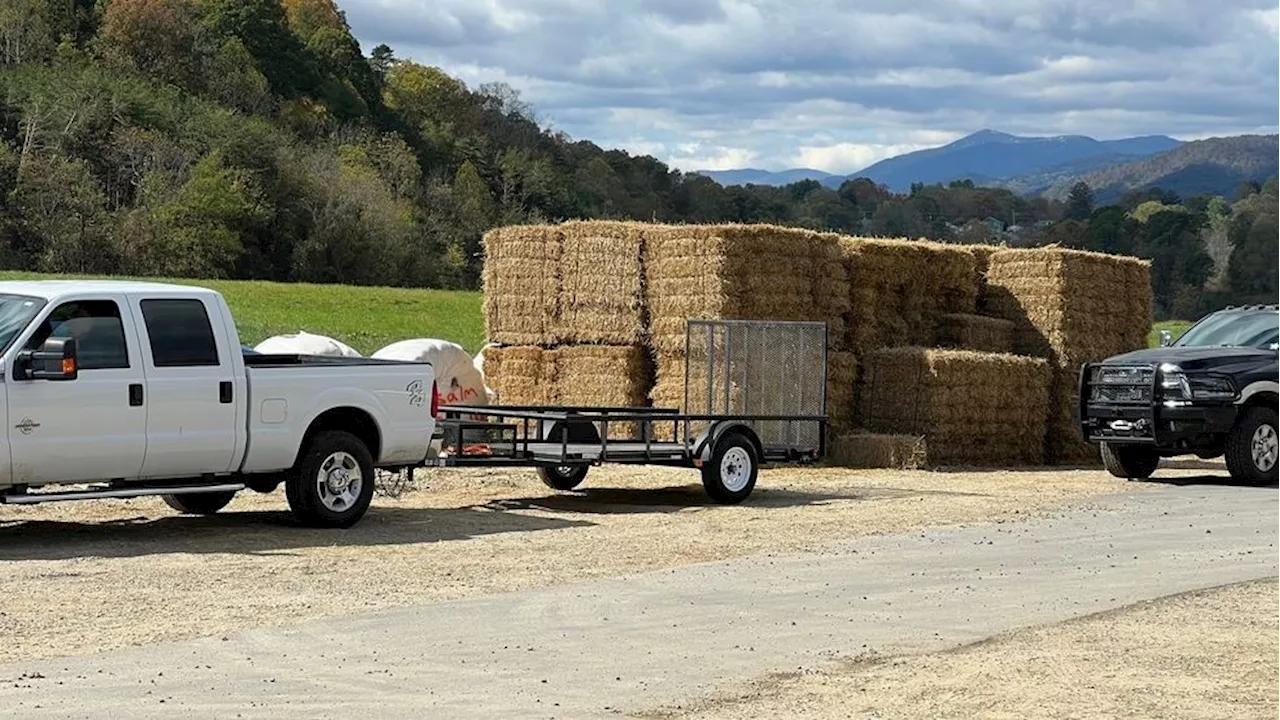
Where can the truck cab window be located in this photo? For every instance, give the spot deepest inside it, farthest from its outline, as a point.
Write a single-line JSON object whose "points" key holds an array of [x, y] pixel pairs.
{"points": [[97, 329], [180, 332]]}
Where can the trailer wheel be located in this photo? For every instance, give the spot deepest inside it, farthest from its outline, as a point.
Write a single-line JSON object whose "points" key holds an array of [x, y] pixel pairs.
{"points": [[1252, 447], [730, 476], [1131, 462], [563, 477], [199, 503], [333, 484]]}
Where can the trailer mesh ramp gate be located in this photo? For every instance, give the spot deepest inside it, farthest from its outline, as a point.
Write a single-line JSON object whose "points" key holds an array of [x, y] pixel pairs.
{"points": [[758, 368]]}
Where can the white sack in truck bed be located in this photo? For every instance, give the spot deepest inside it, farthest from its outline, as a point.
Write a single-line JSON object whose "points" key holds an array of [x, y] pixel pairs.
{"points": [[302, 343], [459, 381]]}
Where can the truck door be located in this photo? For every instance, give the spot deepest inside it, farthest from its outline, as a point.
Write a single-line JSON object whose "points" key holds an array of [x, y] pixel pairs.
{"points": [[90, 428], [191, 408]]}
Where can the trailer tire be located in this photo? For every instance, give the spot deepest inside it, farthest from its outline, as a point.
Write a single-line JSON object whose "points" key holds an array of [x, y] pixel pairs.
{"points": [[333, 483], [563, 477], [1130, 462], [1252, 446], [730, 476], [199, 503]]}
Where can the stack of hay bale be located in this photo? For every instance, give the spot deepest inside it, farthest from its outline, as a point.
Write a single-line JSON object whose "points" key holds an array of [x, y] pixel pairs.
{"points": [[936, 353], [566, 305], [1070, 307]]}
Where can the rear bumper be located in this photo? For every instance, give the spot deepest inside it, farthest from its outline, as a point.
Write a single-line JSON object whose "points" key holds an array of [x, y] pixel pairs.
{"points": [[1166, 427]]}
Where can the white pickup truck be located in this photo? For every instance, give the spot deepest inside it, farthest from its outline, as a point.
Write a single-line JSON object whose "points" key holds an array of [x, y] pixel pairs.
{"points": [[130, 389]]}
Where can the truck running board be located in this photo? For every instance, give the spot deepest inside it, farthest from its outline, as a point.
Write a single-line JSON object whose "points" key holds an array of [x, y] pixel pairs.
{"points": [[117, 492]]}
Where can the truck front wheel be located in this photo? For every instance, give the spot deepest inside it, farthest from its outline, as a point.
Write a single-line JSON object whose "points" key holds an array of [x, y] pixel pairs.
{"points": [[1252, 447], [1131, 462], [199, 503], [333, 484]]}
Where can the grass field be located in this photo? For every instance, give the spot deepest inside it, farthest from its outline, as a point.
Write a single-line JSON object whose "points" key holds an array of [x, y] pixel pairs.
{"points": [[1177, 327], [365, 318]]}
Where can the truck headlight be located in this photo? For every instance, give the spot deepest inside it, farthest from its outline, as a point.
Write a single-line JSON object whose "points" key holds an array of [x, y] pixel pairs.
{"points": [[1211, 387], [1174, 384]]}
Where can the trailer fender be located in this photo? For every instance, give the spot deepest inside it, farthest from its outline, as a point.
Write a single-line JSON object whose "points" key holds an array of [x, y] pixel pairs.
{"points": [[707, 440]]}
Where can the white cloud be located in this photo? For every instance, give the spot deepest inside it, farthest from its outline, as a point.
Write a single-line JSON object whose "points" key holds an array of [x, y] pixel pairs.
{"points": [[847, 157], [774, 83]]}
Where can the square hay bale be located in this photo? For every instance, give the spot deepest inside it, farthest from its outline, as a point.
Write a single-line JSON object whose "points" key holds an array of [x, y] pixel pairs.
{"points": [[602, 284], [582, 375], [842, 380], [1071, 307], [518, 375], [744, 272], [984, 409], [975, 332], [871, 450], [899, 288], [521, 280]]}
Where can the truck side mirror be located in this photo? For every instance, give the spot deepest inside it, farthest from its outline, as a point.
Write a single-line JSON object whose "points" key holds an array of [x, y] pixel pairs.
{"points": [[1166, 338], [55, 360]]}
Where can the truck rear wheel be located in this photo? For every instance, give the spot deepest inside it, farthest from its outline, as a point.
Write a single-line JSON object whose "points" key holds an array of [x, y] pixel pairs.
{"points": [[1252, 447], [333, 484], [1131, 462], [730, 476], [563, 477], [199, 503]]}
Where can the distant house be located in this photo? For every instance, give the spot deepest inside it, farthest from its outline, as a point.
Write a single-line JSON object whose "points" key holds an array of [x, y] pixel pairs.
{"points": [[993, 225]]}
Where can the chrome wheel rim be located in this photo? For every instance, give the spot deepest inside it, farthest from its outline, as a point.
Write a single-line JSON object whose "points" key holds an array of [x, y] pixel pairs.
{"points": [[735, 469], [339, 481], [1265, 447]]}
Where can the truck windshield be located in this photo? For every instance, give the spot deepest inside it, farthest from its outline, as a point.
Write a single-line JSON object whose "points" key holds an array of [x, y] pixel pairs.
{"points": [[1234, 329], [16, 312]]}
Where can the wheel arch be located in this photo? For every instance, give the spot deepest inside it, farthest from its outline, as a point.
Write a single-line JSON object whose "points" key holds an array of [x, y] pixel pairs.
{"points": [[349, 419], [1263, 393], [711, 437]]}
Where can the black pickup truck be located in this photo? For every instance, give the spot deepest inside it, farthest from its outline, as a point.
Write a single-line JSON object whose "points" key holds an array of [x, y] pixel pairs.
{"points": [[1212, 393]]}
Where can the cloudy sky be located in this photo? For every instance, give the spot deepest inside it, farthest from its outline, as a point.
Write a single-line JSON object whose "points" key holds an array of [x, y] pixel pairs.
{"points": [[839, 84]]}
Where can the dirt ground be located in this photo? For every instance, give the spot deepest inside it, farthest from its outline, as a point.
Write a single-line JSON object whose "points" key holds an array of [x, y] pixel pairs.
{"points": [[1209, 655], [91, 576]]}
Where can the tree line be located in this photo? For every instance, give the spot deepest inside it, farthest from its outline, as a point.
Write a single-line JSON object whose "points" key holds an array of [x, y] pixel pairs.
{"points": [[255, 139], [1206, 251]]}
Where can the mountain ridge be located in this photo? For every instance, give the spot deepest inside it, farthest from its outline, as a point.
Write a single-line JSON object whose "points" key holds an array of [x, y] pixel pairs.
{"points": [[989, 155]]}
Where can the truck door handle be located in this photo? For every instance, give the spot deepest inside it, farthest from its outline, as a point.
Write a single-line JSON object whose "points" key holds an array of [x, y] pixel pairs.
{"points": [[224, 392], [135, 394]]}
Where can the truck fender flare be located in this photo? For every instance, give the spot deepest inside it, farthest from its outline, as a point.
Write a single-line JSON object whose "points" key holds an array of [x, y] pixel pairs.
{"points": [[1257, 388]]}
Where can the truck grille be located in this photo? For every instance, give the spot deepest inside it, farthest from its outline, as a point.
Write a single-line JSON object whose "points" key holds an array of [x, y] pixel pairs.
{"points": [[1122, 385]]}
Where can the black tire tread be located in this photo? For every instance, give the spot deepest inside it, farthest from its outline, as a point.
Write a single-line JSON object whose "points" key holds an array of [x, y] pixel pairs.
{"points": [[305, 503], [1130, 462], [199, 503], [556, 480], [1239, 454], [711, 481]]}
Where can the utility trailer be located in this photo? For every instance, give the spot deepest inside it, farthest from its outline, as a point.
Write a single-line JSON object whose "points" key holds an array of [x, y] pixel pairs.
{"points": [[754, 393]]}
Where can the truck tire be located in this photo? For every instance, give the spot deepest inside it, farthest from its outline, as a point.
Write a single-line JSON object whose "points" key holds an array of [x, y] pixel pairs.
{"points": [[333, 484], [563, 477], [1131, 462], [1252, 447], [730, 476], [199, 503]]}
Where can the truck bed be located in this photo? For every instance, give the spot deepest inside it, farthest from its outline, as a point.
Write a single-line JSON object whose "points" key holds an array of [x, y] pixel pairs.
{"points": [[293, 360]]}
